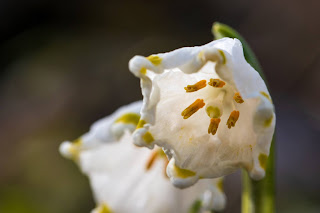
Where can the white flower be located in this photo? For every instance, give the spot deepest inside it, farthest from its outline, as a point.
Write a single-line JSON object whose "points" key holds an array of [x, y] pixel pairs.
{"points": [[125, 178], [207, 108]]}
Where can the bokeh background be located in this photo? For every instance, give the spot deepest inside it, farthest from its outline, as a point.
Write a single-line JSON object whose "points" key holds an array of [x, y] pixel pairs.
{"points": [[64, 64]]}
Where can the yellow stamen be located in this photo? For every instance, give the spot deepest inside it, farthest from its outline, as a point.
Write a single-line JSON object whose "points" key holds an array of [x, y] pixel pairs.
{"points": [[233, 118], [213, 127], [151, 159], [237, 97], [193, 108], [196, 87], [216, 83], [156, 60]]}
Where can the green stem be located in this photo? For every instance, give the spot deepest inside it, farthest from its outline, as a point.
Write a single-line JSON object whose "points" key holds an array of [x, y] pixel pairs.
{"points": [[257, 196]]}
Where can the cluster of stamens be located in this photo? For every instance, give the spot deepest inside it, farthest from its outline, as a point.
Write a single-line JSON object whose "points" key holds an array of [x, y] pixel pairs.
{"points": [[213, 112]]}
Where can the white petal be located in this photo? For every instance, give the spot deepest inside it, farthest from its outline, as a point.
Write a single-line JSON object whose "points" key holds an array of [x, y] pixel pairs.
{"points": [[120, 180], [64, 149], [106, 130]]}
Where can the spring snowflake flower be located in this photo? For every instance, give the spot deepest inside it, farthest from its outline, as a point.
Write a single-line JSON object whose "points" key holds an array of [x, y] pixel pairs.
{"points": [[125, 178], [207, 108]]}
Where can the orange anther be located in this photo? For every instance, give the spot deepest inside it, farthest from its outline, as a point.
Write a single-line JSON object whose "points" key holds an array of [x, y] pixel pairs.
{"points": [[216, 83], [233, 118], [196, 86], [193, 108]]}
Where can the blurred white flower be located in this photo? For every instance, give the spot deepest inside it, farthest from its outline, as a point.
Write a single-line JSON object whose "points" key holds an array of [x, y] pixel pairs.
{"points": [[108, 129], [125, 178], [207, 108]]}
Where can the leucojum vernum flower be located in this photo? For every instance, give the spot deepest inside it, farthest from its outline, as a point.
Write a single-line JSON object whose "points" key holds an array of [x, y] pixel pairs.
{"points": [[207, 108], [205, 113], [125, 178]]}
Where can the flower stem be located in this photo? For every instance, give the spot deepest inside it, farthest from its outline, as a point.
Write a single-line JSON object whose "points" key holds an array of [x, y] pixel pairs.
{"points": [[257, 196]]}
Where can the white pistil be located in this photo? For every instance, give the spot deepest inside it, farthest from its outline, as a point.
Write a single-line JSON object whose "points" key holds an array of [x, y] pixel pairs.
{"points": [[214, 111]]}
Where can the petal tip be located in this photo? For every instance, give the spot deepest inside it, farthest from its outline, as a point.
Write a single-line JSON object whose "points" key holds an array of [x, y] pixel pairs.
{"points": [[64, 149]]}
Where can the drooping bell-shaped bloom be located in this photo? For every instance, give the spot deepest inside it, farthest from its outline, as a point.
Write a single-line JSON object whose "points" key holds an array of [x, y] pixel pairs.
{"points": [[125, 178], [207, 108]]}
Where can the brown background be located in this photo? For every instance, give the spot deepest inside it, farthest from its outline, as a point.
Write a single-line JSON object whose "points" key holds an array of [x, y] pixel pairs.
{"points": [[64, 65]]}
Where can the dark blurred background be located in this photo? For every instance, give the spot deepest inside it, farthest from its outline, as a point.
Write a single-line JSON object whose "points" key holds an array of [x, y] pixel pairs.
{"points": [[64, 64]]}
